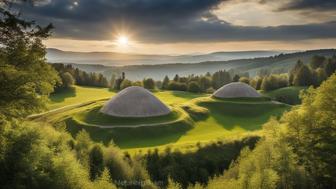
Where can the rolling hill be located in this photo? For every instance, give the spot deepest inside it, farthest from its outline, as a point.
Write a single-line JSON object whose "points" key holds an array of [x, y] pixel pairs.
{"points": [[280, 63], [123, 59]]}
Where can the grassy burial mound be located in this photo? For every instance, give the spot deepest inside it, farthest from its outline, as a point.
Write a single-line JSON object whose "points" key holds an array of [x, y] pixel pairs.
{"points": [[236, 90], [135, 102], [289, 95], [131, 132], [133, 118]]}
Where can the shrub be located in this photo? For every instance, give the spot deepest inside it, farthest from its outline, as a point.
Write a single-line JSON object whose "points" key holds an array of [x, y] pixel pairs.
{"points": [[148, 83], [177, 86], [194, 87], [125, 83]]}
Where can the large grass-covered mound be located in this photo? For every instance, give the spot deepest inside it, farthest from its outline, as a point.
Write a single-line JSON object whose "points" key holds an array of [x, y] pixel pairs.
{"points": [[236, 90], [95, 118], [135, 102], [131, 132]]}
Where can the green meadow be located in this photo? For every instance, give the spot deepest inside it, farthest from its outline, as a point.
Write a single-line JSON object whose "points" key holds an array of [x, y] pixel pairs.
{"points": [[196, 118]]}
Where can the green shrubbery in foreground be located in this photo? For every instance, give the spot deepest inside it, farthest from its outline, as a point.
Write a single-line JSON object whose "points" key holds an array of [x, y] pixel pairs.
{"points": [[296, 152]]}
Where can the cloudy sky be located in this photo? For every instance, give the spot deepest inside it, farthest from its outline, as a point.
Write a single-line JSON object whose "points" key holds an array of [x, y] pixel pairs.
{"points": [[187, 26]]}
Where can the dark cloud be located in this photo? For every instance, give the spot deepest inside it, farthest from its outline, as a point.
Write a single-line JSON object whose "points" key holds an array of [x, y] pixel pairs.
{"points": [[326, 5], [161, 21]]}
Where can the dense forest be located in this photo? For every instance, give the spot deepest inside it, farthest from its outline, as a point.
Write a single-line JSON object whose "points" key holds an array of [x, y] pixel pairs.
{"points": [[296, 151]]}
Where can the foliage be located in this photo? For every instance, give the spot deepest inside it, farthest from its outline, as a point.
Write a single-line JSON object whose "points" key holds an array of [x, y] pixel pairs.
{"points": [[220, 78], [165, 82], [39, 157], [273, 82], [81, 77], [177, 86], [311, 132], [25, 77], [303, 77], [148, 83], [194, 87], [125, 83], [96, 162], [272, 164], [192, 167], [244, 80], [289, 95]]}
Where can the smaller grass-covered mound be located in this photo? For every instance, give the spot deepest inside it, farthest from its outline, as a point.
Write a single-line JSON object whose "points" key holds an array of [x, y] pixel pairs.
{"points": [[246, 113], [236, 90], [288, 95]]}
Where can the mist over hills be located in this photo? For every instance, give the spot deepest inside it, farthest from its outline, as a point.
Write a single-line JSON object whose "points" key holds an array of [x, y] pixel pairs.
{"points": [[277, 64], [122, 59]]}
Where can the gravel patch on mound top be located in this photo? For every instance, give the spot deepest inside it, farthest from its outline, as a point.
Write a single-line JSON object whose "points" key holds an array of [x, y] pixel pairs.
{"points": [[236, 90], [135, 102]]}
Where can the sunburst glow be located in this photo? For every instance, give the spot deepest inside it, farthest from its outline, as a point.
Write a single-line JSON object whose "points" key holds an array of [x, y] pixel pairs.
{"points": [[122, 40]]}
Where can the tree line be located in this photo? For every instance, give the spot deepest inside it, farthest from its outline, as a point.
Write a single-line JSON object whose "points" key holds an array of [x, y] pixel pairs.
{"points": [[70, 76], [314, 73]]}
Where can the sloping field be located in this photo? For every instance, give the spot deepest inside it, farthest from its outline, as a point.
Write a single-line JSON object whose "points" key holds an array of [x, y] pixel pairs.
{"points": [[204, 119]]}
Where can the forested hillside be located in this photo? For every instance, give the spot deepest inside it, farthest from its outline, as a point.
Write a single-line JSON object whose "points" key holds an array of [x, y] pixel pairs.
{"points": [[276, 64]]}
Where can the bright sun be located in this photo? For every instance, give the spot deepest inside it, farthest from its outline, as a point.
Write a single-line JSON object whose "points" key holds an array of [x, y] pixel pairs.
{"points": [[122, 40]]}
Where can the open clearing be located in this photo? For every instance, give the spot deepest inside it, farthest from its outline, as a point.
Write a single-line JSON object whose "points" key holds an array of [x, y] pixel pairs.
{"points": [[222, 119]]}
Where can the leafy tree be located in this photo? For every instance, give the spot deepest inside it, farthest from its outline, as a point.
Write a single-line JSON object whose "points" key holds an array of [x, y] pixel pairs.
{"points": [[244, 80], [272, 164], [148, 83], [112, 81], [220, 78], [317, 62], [83, 147], [236, 78], [330, 67], [165, 82], [205, 83], [176, 78], [67, 80], [125, 83], [320, 76], [26, 79], [194, 87], [177, 86], [256, 82], [293, 72], [311, 133], [117, 84], [303, 77], [96, 162], [137, 83]]}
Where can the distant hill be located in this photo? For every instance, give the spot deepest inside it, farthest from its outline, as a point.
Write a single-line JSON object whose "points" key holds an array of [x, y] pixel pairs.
{"points": [[279, 63], [120, 59]]}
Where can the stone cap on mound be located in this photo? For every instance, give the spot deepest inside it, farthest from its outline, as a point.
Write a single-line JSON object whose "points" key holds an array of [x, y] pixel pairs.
{"points": [[236, 90], [135, 102]]}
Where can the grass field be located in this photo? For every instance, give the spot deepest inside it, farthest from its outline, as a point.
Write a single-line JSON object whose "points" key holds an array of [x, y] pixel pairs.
{"points": [[78, 95], [83, 94], [289, 95], [205, 119]]}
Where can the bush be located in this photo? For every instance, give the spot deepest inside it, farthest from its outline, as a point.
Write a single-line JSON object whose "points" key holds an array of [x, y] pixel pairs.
{"points": [[194, 87], [149, 83], [177, 86], [125, 83], [244, 80]]}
